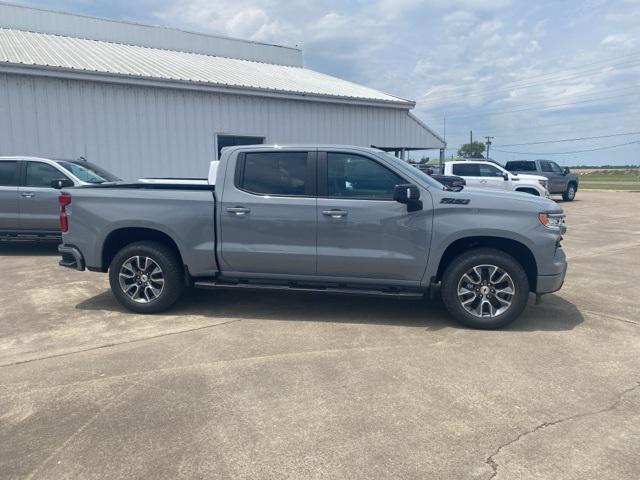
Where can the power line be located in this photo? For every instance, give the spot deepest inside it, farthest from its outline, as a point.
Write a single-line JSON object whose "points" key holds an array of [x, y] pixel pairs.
{"points": [[503, 112], [568, 140], [519, 86], [545, 79], [542, 154], [593, 117]]}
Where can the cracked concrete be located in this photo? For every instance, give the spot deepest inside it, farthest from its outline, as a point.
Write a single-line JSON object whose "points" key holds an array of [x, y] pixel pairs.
{"points": [[261, 386], [491, 459]]}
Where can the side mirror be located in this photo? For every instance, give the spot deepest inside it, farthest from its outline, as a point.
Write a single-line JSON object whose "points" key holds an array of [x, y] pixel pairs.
{"points": [[505, 176], [61, 183], [409, 195], [566, 171]]}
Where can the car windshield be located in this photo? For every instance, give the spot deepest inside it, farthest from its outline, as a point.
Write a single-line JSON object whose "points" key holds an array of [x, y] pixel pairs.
{"points": [[88, 172], [413, 170]]}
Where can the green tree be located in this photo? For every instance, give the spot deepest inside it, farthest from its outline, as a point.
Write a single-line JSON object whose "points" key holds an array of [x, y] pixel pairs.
{"points": [[471, 150]]}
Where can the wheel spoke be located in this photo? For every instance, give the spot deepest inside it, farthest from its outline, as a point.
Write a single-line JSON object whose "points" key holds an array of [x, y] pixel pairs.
{"points": [[141, 279], [486, 291]]}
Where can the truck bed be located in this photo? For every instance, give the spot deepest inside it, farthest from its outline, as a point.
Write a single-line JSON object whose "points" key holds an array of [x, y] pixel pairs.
{"points": [[102, 215]]}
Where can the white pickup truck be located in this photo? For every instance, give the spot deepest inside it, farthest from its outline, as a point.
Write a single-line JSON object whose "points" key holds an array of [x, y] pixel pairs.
{"points": [[485, 174]]}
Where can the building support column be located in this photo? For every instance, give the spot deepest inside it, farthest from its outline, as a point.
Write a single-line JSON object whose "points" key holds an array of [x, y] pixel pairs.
{"points": [[442, 161]]}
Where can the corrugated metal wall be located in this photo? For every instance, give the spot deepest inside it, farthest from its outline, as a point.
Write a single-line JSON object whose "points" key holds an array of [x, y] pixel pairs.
{"points": [[144, 131]]}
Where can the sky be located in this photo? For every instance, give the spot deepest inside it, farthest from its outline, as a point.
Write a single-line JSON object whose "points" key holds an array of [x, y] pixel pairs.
{"points": [[523, 72]]}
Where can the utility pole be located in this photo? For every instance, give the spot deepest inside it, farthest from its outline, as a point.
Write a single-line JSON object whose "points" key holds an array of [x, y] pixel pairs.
{"points": [[470, 136], [444, 126], [488, 146]]}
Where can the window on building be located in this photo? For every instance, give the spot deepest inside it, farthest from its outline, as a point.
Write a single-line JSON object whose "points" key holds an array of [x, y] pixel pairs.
{"points": [[275, 173], [41, 174], [8, 174], [233, 140], [353, 176]]}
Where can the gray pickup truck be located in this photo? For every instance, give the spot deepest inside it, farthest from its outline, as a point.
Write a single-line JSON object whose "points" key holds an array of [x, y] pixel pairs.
{"points": [[336, 219], [29, 189], [561, 180]]}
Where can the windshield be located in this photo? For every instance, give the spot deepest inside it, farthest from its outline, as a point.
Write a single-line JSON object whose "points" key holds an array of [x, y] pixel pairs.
{"points": [[88, 172], [413, 170]]}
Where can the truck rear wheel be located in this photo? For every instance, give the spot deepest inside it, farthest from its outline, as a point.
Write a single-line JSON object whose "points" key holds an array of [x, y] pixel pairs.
{"points": [[485, 288], [146, 277]]}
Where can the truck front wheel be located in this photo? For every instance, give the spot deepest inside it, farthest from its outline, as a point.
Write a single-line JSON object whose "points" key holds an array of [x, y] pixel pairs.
{"points": [[146, 277], [485, 288], [570, 192]]}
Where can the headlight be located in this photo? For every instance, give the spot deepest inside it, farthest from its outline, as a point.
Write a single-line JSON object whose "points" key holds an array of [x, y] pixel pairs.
{"points": [[552, 220], [543, 183]]}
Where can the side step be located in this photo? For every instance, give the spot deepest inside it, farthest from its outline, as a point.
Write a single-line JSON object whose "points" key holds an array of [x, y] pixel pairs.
{"points": [[210, 284]]}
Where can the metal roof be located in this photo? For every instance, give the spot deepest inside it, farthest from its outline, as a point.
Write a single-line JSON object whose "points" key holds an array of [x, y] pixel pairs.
{"points": [[55, 53]]}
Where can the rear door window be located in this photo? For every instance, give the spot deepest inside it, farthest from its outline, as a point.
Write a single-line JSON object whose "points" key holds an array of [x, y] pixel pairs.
{"points": [[466, 169], [41, 174], [276, 173], [8, 174]]}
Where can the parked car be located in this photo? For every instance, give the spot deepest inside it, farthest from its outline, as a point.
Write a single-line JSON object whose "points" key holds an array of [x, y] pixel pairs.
{"points": [[29, 189], [334, 219], [485, 174], [561, 180]]}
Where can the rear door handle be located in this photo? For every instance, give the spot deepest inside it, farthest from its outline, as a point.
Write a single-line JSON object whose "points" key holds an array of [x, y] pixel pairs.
{"points": [[483, 181], [334, 213], [238, 210], [27, 194]]}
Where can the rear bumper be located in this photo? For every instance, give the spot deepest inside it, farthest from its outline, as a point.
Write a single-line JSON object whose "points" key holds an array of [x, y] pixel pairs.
{"points": [[71, 257]]}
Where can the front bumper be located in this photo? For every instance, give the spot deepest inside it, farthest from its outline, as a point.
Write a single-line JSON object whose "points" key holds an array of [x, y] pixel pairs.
{"points": [[71, 257], [551, 283]]}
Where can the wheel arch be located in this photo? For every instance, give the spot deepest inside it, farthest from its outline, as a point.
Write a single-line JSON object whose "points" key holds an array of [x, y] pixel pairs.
{"points": [[121, 237], [516, 249], [529, 190]]}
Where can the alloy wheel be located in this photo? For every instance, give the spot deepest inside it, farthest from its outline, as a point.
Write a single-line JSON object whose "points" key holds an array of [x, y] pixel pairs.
{"points": [[486, 291], [141, 279]]}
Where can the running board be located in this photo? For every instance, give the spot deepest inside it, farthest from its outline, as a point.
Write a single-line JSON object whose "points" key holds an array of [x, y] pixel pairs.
{"points": [[296, 288]]}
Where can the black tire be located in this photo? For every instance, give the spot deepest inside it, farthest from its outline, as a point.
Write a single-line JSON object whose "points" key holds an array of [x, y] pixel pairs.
{"points": [[484, 256], [171, 272], [570, 193]]}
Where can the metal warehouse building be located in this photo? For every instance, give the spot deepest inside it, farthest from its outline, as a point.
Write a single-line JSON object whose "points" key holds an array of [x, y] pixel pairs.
{"points": [[153, 101]]}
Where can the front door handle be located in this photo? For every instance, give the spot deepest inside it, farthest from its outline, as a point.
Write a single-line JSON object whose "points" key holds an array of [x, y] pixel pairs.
{"points": [[334, 213], [483, 181], [27, 194], [238, 210]]}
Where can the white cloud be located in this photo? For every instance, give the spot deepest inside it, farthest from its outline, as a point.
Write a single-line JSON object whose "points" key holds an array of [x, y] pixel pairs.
{"points": [[618, 41]]}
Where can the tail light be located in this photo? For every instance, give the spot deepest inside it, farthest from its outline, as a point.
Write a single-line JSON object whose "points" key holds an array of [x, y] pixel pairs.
{"points": [[64, 199]]}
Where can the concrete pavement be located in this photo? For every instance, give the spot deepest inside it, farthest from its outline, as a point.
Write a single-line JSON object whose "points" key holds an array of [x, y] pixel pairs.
{"points": [[266, 385]]}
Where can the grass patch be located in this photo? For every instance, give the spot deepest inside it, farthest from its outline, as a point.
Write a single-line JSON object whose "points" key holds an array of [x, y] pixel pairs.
{"points": [[609, 186]]}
